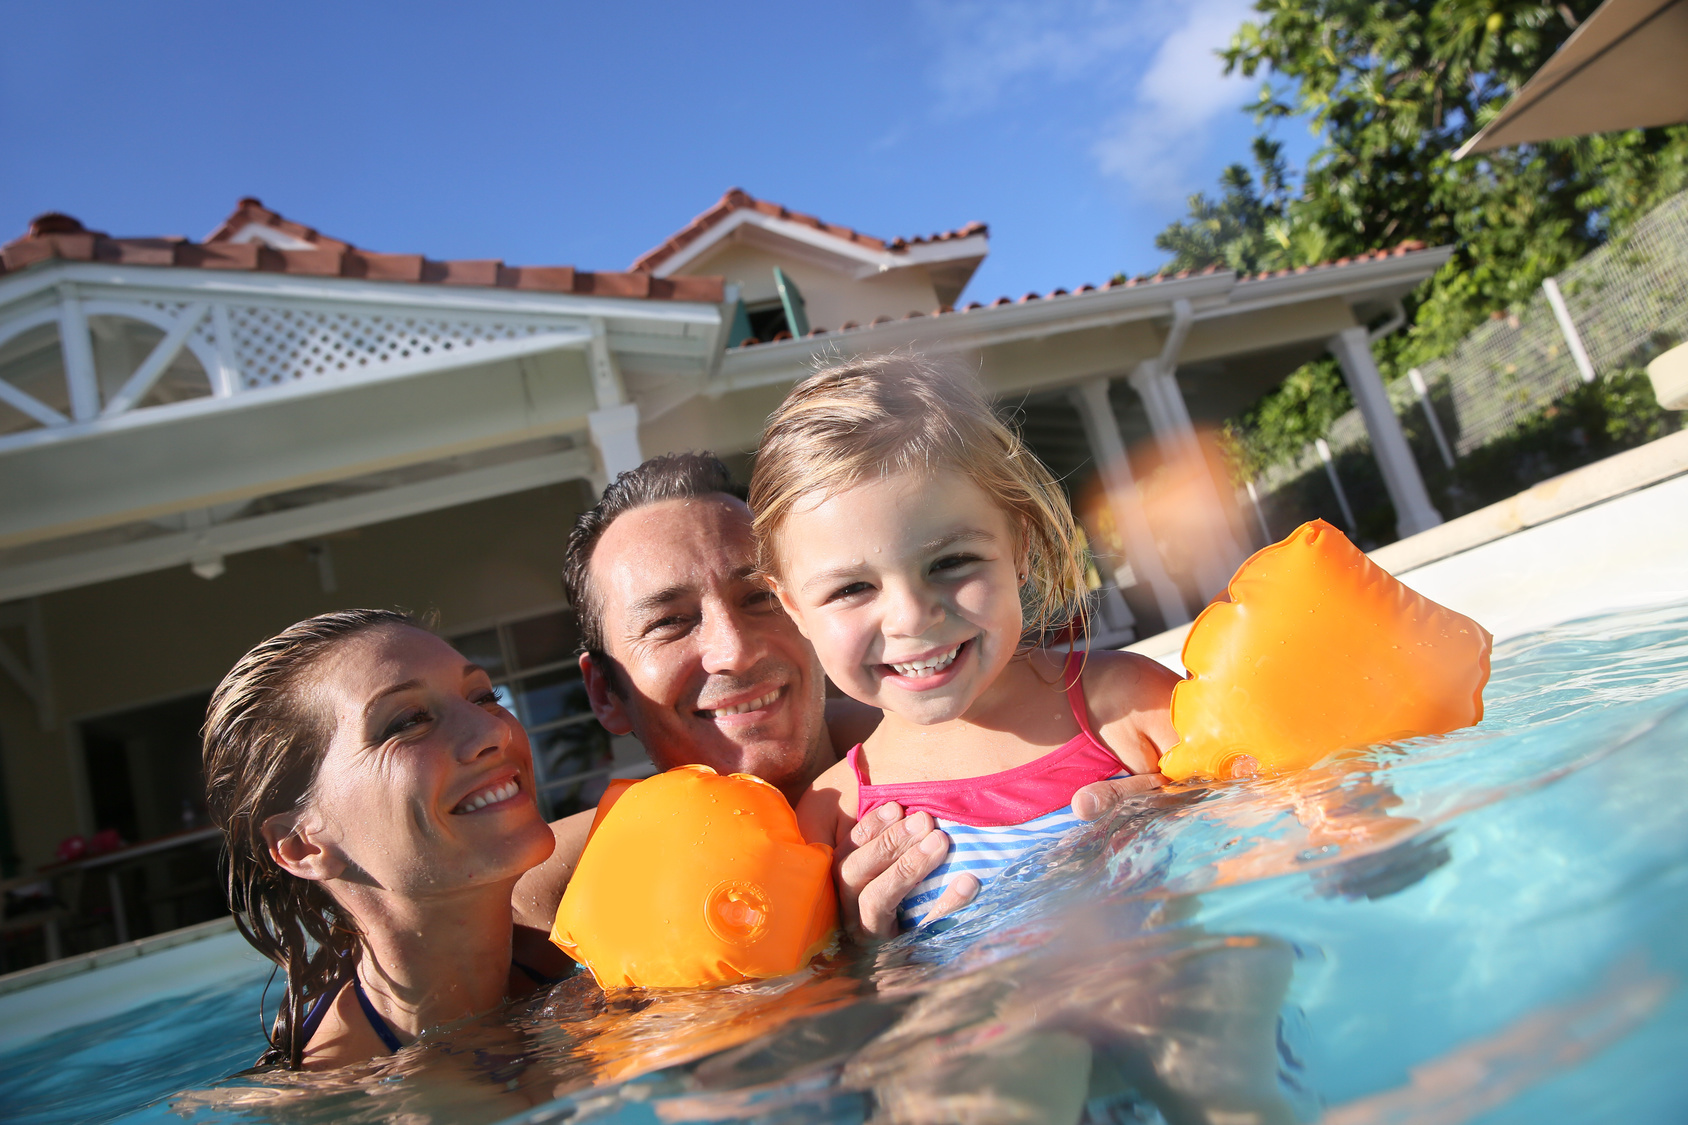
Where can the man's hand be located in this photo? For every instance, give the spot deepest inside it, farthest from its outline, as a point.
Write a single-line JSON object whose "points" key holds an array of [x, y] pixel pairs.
{"points": [[1101, 796], [889, 856]]}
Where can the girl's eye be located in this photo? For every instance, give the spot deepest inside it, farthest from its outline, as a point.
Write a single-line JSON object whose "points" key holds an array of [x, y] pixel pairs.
{"points": [[489, 697], [848, 591], [951, 562], [405, 721]]}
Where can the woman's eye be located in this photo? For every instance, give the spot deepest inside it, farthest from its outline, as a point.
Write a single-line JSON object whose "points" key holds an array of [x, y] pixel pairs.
{"points": [[405, 721]]}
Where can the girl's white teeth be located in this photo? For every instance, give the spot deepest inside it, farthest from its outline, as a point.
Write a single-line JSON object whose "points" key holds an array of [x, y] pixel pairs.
{"points": [[927, 667], [489, 797], [753, 705]]}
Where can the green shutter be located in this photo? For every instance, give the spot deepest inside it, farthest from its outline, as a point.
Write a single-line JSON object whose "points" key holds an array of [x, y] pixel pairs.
{"points": [[796, 314], [740, 331]]}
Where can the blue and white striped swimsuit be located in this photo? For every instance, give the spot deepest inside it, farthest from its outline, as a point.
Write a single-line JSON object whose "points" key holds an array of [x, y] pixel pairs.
{"points": [[984, 853], [995, 820]]}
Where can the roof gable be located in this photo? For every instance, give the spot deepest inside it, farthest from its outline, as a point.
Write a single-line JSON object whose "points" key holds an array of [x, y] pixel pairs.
{"points": [[739, 214]]}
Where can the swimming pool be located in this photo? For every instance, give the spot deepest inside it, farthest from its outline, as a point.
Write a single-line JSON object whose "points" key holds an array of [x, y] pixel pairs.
{"points": [[1485, 926]]}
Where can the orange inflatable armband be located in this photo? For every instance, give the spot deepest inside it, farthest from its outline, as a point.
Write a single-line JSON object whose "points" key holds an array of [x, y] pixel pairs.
{"points": [[1319, 649], [690, 878]]}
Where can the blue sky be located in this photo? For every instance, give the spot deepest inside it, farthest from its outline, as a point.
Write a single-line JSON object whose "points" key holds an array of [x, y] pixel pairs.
{"points": [[585, 134]]}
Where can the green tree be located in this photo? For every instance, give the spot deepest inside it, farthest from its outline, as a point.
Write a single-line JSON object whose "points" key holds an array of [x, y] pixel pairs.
{"points": [[1393, 87], [1245, 229]]}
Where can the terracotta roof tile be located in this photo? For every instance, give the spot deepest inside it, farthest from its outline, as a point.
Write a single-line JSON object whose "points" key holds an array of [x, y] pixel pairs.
{"points": [[967, 231], [737, 199], [1408, 247], [249, 211], [57, 236]]}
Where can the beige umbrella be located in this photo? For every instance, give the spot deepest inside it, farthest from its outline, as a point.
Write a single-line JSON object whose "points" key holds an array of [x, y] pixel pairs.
{"points": [[1626, 67]]}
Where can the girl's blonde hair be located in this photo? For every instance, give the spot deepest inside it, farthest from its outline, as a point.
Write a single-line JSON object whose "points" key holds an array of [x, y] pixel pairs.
{"points": [[885, 415]]}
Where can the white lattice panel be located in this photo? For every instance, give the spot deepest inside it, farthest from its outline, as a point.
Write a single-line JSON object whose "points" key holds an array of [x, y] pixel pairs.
{"points": [[276, 345]]}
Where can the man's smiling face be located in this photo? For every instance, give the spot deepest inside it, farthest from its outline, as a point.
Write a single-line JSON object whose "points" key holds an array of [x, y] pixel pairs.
{"points": [[708, 669]]}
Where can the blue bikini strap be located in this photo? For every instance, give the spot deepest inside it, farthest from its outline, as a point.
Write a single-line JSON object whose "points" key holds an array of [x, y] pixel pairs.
{"points": [[376, 1023]]}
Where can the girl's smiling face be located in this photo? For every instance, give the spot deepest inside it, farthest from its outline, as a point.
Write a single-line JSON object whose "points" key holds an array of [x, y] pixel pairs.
{"points": [[908, 587]]}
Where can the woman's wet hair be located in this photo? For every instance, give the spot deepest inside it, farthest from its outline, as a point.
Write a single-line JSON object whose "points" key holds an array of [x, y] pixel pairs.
{"points": [[264, 741], [882, 416]]}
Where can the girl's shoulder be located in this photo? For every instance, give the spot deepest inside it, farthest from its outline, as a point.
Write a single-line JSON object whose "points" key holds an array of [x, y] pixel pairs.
{"points": [[1129, 698], [827, 808]]}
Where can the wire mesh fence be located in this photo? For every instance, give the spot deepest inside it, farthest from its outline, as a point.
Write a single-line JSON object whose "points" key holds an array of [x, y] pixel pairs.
{"points": [[1623, 304]]}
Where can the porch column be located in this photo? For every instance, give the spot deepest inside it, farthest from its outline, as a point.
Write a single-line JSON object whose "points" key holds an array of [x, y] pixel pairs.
{"points": [[1413, 511], [615, 433], [1164, 402], [1107, 448], [1156, 383]]}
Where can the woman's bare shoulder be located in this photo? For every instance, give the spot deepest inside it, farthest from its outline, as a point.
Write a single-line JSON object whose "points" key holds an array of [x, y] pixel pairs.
{"points": [[343, 1037]]}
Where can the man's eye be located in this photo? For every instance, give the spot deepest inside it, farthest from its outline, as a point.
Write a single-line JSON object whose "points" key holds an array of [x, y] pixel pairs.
{"points": [[405, 721], [667, 626], [848, 591], [761, 599]]}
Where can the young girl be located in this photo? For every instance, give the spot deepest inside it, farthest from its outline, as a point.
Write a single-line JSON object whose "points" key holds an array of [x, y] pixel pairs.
{"points": [[918, 545]]}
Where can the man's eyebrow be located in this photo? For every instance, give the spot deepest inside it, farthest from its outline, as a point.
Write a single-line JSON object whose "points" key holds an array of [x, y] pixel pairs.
{"points": [[386, 691], [658, 599]]}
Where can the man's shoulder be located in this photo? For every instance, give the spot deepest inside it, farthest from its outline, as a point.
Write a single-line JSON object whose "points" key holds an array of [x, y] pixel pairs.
{"points": [[539, 890]]}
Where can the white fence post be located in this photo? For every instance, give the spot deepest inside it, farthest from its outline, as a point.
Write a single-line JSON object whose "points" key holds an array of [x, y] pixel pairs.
{"points": [[1423, 391], [1568, 328], [1336, 483]]}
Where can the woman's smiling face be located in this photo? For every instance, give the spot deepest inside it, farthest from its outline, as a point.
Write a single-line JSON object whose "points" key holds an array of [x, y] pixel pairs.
{"points": [[908, 587], [427, 783]]}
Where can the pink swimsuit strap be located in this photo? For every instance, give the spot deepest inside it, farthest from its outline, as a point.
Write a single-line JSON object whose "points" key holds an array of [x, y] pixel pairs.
{"points": [[1013, 796]]}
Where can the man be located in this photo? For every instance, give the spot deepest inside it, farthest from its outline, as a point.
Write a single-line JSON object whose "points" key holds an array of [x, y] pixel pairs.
{"points": [[686, 650]]}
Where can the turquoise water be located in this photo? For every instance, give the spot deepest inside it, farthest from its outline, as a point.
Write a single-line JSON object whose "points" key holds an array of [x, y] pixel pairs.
{"points": [[1484, 927]]}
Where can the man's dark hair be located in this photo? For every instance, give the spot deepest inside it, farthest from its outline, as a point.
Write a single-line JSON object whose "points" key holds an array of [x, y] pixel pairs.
{"points": [[672, 476]]}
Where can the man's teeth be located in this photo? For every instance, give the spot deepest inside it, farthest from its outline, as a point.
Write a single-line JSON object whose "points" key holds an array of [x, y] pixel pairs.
{"points": [[490, 796], [927, 667], [753, 705]]}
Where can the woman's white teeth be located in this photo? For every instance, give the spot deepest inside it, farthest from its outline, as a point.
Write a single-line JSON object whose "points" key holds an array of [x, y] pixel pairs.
{"points": [[490, 796], [927, 667], [753, 705]]}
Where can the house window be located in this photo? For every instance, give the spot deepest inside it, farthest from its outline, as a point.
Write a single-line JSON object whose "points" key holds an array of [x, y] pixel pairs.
{"points": [[533, 666], [767, 320]]}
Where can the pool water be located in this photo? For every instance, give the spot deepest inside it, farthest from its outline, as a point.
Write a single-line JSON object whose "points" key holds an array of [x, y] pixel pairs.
{"points": [[1486, 926]]}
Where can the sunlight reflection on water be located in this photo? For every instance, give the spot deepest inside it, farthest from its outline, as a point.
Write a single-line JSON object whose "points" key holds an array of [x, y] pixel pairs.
{"points": [[1481, 924]]}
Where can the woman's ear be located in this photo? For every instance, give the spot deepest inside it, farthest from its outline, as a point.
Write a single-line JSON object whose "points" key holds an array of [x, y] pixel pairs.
{"points": [[599, 679], [296, 847]]}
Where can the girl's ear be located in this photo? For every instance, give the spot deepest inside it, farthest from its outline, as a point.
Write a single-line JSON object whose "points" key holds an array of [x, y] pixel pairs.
{"points": [[789, 605], [298, 847]]}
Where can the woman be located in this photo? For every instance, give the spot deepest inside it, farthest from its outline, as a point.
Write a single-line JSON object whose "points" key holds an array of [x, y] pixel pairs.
{"points": [[378, 804]]}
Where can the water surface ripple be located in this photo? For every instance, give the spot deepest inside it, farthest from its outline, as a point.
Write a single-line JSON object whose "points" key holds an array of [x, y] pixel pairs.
{"points": [[1484, 926]]}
